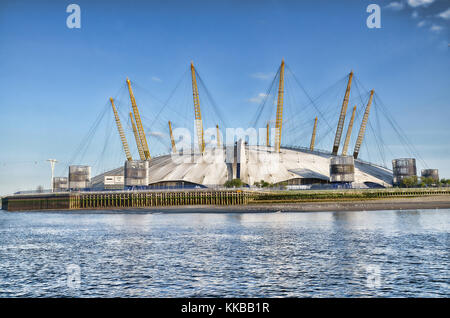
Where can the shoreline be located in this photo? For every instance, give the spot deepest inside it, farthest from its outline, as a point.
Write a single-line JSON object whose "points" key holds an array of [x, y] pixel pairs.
{"points": [[415, 203], [411, 203]]}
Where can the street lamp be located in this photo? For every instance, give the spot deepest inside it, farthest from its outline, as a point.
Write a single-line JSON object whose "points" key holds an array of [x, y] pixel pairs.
{"points": [[52, 165]]}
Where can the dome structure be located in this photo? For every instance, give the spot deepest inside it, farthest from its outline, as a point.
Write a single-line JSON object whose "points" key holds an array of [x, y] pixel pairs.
{"points": [[291, 166]]}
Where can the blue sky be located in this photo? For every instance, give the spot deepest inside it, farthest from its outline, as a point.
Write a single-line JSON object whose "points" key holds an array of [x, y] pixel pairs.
{"points": [[55, 80]]}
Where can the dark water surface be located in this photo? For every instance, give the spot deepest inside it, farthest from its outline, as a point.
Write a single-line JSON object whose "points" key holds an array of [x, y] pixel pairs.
{"points": [[322, 254]]}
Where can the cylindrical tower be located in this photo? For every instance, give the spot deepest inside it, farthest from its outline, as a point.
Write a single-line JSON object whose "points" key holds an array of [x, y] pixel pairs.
{"points": [[402, 168], [136, 173], [431, 173], [79, 177], [60, 184], [342, 169]]}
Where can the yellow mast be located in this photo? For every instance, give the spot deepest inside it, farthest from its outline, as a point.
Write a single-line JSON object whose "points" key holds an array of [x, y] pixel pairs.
{"points": [[136, 136], [218, 136], [268, 135], [140, 129], [279, 119], [313, 137], [349, 132], [198, 114], [121, 133], [337, 138], [172, 140], [362, 129]]}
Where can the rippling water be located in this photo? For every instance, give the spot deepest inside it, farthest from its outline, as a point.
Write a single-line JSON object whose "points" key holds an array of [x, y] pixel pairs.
{"points": [[324, 254]]}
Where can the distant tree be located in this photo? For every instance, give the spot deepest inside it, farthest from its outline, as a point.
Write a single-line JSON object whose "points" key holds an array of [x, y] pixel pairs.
{"points": [[409, 182], [235, 183], [283, 185], [428, 181], [264, 184], [40, 189]]}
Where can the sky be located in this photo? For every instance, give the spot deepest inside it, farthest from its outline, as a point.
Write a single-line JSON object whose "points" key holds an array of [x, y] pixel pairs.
{"points": [[55, 81]]}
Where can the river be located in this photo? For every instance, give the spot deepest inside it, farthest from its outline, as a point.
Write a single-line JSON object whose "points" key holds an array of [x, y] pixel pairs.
{"points": [[135, 254]]}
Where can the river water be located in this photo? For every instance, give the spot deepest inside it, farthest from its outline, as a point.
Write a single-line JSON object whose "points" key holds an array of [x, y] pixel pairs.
{"points": [[134, 254]]}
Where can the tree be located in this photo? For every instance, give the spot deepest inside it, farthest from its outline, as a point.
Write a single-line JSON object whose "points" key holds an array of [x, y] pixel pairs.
{"points": [[428, 181], [264, 184], [235, 183], [409, 182]]}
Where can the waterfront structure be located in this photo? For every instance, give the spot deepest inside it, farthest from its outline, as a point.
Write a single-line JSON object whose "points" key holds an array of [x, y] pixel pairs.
{"points": [[60, 184], [136, 173], [212, 166], [342, 169], [402, 168], [79, 177], [430, 173], [293, 166]]}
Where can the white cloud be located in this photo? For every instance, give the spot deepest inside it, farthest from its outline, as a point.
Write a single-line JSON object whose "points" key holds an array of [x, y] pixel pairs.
{"points": [[258, 99], [157, 134], [396, 5], [445, 15], [415, 15], [436, 28], [418, 3], [263, 76], [156, 79], [422, 23]]}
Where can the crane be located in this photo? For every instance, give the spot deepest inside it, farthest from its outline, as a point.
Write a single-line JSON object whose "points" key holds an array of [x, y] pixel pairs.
{"points": [[172, 140], [362, 129], [197, 111], [349, 132], [121, 133], [218, 136], [140, 129], [136, 136], [313, 137], [279, 119], [340, 126]]}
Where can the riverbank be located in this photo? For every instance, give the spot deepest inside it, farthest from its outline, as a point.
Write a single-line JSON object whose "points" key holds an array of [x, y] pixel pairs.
{"points": [[432, 202], [417, 203], [209, 200]]}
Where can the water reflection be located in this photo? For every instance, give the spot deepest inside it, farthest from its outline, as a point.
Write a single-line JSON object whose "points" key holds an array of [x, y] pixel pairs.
{"points": [[407, 220]]}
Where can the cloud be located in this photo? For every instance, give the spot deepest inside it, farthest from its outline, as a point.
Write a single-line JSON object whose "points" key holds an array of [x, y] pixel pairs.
{"points": [[258, 99], [422, 23], [156, 79], [263, 76], [418, 3], [415, 15], [445, 15], [156, 134], [436, 28], [396, 5]]}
